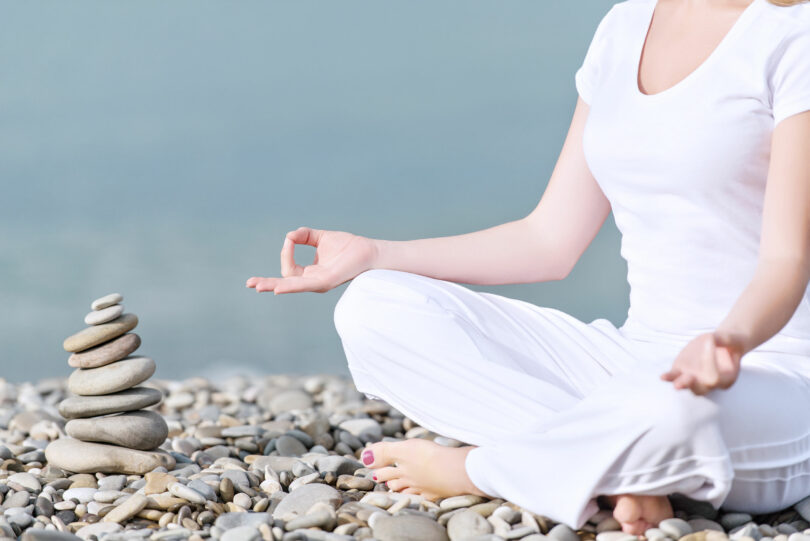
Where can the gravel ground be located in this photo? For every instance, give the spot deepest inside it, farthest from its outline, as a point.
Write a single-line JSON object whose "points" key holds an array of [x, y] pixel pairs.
{"points": [[277, 458]]}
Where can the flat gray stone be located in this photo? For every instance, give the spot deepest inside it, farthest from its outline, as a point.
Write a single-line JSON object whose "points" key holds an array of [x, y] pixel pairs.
{"points": [[675, 527], [408, 528], [112, 377], [106, 300], [290, 446], [105, 315], [47, 535], [303, 497], [106, 353], [136, 430], [227, 521], [128, 400], [365, 429], [563, 532], [467, 523], [241, 533], [289, 400], [98, 334], [26, 480], [85, 457]]}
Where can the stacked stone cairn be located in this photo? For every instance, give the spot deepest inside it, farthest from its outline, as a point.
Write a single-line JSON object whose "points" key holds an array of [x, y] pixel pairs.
{"points": [[108, 429]]}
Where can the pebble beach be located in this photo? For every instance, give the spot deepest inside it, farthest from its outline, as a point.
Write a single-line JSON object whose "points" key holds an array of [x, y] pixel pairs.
{"points": [[277, 458]]}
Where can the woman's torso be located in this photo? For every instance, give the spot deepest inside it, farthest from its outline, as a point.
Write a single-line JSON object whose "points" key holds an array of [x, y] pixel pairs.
{"points": [[685, 172]]}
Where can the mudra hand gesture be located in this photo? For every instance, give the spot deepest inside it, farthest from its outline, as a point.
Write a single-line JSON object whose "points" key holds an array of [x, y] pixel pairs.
{"points": [[339, 257], [710, 361]]}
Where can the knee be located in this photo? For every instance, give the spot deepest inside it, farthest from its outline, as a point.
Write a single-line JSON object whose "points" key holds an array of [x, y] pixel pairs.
{"points": [[677, 416], [372, 296]]}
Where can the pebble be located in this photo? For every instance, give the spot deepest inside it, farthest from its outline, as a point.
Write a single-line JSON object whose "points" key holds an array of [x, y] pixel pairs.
{"points": [[615, 536], [135, 430], [182, 491], [467, 523], [241, 533], [563, 532], [48, 535], [106, 301], [127, 400], [106, 353], [84, 457], [408, 527], [128, 509], [290, 446], [103, 315], [111, 378], [729, 521], [98, 334], [26, 480], [227, 521], [303, 497], [675, 527], [291, 399], [698, 524], [455, 502]]}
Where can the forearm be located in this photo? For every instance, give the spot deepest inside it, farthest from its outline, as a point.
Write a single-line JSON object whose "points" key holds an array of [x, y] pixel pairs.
{"points": [[768, 302], [509, 253]]}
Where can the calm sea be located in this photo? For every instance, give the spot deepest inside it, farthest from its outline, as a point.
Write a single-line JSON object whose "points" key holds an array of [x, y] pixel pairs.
{"points": [[163, 149]]}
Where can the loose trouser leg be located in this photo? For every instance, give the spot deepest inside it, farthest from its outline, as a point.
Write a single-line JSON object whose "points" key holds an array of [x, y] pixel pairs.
{"points": [[744, 448], [469, 365], [599, 428]]}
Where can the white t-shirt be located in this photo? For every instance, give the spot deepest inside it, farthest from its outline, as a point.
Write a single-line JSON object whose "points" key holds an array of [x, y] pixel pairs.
{"points": [[685, 169]]}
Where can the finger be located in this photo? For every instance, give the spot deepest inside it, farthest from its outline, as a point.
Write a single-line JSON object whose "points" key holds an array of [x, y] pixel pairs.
{"points": [[296, 284], [266, 284], [671, 375], [727, 368], [306, 235], [683, 381], [251, 282], [708, 367], [288, 265]]}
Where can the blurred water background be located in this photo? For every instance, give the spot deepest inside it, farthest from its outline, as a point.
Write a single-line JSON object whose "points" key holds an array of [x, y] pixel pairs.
{"points": [[163, 149]]}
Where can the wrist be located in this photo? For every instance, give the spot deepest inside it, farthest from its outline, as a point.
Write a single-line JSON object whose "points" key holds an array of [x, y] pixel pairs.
{"points": [[734, 337], [379, 251]]}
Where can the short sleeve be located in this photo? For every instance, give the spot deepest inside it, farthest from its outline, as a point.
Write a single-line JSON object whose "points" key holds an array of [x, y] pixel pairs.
{"points": [[790, 81], [586, 77]]}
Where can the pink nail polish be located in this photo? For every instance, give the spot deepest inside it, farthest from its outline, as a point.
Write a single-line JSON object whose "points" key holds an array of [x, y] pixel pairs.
{"points": [[375, 477], [368, 457]]}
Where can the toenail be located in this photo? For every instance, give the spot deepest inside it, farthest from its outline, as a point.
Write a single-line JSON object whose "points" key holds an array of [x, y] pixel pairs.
{"points": [[368, 457], [375, 477]]}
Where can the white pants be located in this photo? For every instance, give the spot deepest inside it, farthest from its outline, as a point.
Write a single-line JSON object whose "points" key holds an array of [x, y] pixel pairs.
{"points": [[562, 411]]}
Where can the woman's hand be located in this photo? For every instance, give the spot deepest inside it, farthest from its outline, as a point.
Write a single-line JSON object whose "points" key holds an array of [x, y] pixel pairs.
{"points": [[339, 257], [709, 361]]}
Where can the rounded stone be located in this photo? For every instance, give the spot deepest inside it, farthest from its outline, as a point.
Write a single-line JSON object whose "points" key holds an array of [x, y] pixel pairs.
{"points": [[105, 315], [675, 527], [106, 300], [106, 353], [238, 519], [303, 497], [467, 523], [408, 528], [84, 457], [143, 430], [98, 334], [111, 378], [128, 400]]}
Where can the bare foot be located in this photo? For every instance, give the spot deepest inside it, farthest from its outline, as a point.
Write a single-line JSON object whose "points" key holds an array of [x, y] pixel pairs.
{"points": [[419, 466], [639, 512]]}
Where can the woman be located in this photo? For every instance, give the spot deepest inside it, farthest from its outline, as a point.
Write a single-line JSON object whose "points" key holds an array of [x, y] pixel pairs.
{"points": [[687, 110]]}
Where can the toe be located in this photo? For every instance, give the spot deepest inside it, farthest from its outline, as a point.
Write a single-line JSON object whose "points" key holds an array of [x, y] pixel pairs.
{"points": [[387, 473], [628, 509], [377, 455], [397, 484]]}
